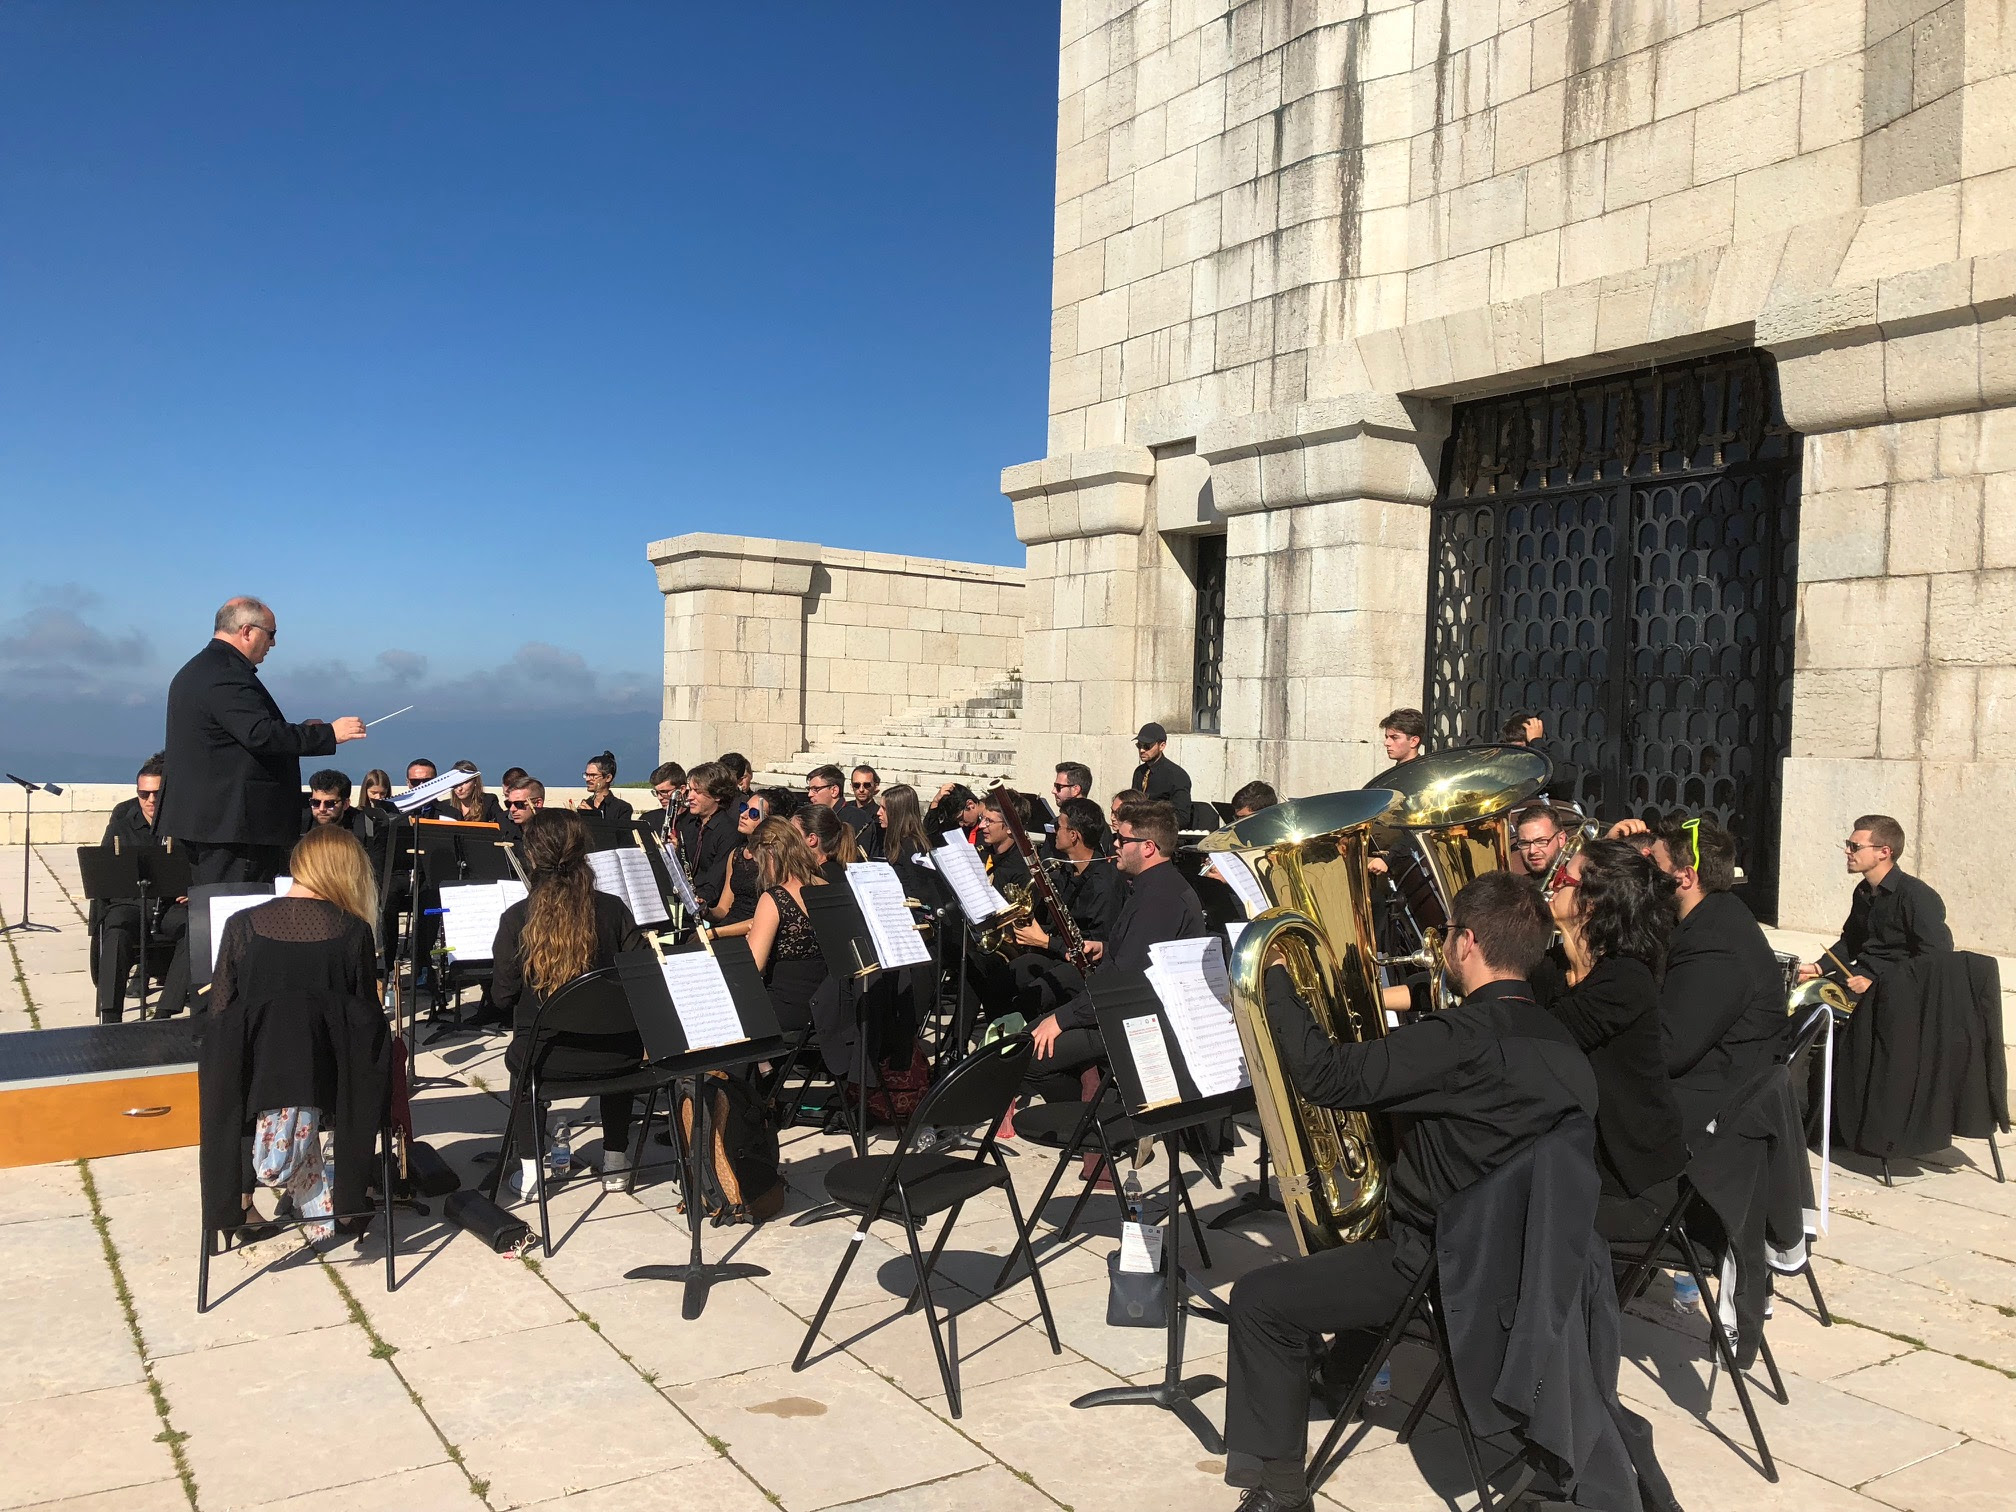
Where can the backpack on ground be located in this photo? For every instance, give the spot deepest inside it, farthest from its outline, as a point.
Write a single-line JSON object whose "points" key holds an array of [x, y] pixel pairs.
{"points": [[737, 1149]]}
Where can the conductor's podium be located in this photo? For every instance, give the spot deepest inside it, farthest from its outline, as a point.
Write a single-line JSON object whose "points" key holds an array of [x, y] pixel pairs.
{"points": [[106, 1089]]}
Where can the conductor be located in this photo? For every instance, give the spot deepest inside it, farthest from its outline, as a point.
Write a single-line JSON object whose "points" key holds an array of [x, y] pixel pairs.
{"points": [[232, 792]]}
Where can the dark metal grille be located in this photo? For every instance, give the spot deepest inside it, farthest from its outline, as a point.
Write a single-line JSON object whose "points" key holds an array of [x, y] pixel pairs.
{"points": [[1620, 556], [1207, 676]]}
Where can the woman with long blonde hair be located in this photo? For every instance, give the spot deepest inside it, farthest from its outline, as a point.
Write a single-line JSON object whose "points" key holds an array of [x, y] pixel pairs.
{"points": [[563, 929], [469, 803]]}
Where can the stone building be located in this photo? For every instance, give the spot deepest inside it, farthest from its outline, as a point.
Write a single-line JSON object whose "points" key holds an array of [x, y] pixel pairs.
{"points": [[1648, 362]]}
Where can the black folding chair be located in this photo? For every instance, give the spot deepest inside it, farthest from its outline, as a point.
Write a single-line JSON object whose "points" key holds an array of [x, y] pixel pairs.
{"points": [[1070, 1128], [381, 1209], [910, 1187], [594, 1003], [1795, 1047]]}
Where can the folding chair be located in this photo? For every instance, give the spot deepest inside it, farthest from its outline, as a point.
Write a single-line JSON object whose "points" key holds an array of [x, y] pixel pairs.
{"points": [[1794, 1047], [1067, 1127], [910, 1188], [383, 1209], [593, 1003]]}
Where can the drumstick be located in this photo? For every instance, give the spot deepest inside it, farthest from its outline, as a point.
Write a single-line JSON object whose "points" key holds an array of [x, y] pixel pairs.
{"points": [[1837, 961]]}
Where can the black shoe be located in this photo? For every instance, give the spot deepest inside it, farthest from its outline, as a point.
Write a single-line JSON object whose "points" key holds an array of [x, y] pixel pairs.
{"points": [[1261, 1499]]}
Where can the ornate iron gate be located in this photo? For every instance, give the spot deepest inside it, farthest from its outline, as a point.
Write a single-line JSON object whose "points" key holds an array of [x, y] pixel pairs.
{"points": [[1620, 557], [1207, 665]]}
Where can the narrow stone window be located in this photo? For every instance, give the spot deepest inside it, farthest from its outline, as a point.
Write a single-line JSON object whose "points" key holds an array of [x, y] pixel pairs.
{"points": [[1207, 680]]}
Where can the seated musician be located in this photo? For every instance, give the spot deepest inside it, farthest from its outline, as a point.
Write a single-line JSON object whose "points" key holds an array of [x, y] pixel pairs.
{"points": [[522, 800], [955, 807], [1073, 780], [1403, 733], [375, 791], [1722, 999], [858, 812], [668, 786], [902, 821], [1614, 909], [329, 803], [1479, 1082], [734, 910], [598, 775], [563, 928], [996, 844], [780, 934], [1160, 906], [117, 944], [832, 842], [1538, 835], [1892, 917], [707, 832], [1252, 798], [1088, 884], [420, 770], [737, 767], [468, 803]]}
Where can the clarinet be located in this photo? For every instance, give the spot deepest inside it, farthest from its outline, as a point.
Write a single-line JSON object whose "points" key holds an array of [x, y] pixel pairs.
{"points": [[1041, 885]]}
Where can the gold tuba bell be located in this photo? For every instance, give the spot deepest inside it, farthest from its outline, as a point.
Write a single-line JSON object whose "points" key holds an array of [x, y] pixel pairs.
{"points": [[1309, 857], [1456, 807]]}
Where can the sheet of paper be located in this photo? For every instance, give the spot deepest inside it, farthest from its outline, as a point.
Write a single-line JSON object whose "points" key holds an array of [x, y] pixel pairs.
{"points": [[962, 867], [1239, 877], [879, 891], [434, 787], [1232, 933], [700, 996], [626, 873], [1151, 1059], [473, 910], [222, 908], [1189, 978], [1140, 1248], [682, 885]]}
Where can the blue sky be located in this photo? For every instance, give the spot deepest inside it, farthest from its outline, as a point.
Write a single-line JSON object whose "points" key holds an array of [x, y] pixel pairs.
{"points": [[279, 282]]}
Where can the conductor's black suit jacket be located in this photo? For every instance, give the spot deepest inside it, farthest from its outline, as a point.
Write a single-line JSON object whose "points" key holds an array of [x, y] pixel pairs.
{"points": [[234, 763]]}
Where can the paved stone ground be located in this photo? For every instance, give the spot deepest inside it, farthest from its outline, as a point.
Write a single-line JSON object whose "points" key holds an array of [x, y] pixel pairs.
{"points": [[520, 1384]]}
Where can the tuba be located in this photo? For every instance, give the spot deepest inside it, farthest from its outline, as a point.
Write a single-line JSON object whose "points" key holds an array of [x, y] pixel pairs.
{"points": [[1456, 808], [1309, 857]]}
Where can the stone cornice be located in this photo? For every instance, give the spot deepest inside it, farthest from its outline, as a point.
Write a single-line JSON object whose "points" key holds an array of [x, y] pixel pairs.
{"points": [[743, 563], [1359, 446], [1102, 492]]}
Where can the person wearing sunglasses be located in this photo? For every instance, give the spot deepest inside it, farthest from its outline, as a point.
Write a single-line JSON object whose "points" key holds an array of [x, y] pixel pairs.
{"points": [[115, 923], [1892, 916], [522, 800], [1614, 909], [1157, 776], [735, 906], [859, 811]]}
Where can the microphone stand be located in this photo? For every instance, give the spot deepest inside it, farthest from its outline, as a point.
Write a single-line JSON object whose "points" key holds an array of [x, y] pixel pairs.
{"points": [[29, 790]]}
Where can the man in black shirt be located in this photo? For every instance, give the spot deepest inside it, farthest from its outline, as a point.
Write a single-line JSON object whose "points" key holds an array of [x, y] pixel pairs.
{"points": [[860, 812], [668, 786], [996, 844], [1088, 885], [1893, 916], [329, 803], [1480, 1080], [1722, 999], [118, 921], [1159, 777]]}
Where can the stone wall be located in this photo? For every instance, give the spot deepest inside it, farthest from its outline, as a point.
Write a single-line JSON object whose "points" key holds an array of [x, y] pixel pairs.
{"points": [[1289, 233], [774, 647]]}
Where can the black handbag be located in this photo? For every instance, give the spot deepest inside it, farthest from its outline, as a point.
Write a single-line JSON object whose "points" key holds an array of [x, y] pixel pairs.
{"points": [[430, 1175], [476, 1214], [1135, 1299]]}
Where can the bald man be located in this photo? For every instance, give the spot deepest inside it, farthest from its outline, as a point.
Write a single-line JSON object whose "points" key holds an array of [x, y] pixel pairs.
{"points": [[232, 790]]}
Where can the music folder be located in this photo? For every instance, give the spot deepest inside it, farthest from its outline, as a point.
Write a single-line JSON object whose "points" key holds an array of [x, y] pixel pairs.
{"points": [[647, 983], [842, 932], [1149, 1067]]}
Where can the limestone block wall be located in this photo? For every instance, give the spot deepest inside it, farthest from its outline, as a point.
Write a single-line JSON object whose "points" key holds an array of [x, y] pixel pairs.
{"points": [[1290, 233], [773, 647]]}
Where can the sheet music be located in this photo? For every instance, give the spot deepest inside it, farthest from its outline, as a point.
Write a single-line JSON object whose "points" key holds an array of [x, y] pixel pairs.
{"points": [[1232, 933], [626, 873], [472, 913], [1238, 876], [879, 891], [701, 998], [224, 906], [1151, 1059], [682, 885], [434, 787], [1189, 977], [960, 865]]}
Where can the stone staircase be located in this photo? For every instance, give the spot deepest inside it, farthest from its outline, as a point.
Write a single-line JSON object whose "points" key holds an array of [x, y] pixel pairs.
{"points": [[972, 741]]}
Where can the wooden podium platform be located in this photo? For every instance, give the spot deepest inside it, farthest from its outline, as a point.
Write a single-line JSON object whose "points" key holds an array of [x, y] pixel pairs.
{"points": [[101, 1089]]}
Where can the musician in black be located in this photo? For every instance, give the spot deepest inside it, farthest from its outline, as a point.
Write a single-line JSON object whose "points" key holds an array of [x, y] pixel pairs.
{"points": [[1403, 732], [996, 844], [1252, 798], [117, 922], [707, 835], [860, 812], [420, 770], [1160, 906], [329, 803], [1478, 1082], [522, 800], [1073, 780], [668, 786], [1157, 776], [598, 775], [1892, 917], [1538, 835]]}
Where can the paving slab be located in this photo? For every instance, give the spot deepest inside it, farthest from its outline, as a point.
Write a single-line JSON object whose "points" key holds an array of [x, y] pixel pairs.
{"points": [[1831, 1432], [715, 1484], [443, 1485], [1968, 1477], [71, 1446], [1936, 1388]]}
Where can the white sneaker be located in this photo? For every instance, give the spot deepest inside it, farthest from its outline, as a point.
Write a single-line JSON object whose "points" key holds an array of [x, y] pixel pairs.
{"points": [[520, 1185], [615, 1171]]}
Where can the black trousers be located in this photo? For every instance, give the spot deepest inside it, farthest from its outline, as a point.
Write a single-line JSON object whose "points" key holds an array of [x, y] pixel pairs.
{"points": [[604, 1055], [119, 954], [1279, 1315], [232, 862], [1055, 1078]]}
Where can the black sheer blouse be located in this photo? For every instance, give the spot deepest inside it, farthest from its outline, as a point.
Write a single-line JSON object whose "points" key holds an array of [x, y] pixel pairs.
{"points": [[293, 945]]}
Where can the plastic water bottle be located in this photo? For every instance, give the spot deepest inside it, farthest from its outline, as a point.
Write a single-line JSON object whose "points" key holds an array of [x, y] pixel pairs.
{"points": [[1686, 1295], [925, 1141], [1131, 1196], [560, 1155], [1382, 1387]]}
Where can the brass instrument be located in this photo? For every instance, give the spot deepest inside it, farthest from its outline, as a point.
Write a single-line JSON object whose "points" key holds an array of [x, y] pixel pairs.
{"points": [[1456, 807], [1818, 990], [1429, 957], [1310, 857], [1570, 849], [1063, 928], [997, 935]]}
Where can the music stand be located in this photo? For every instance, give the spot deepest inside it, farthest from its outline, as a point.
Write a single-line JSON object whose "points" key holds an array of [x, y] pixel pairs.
{"points": [[664, 1035], [1116, 998], [122, 873], [850, 957], [28, 792]]}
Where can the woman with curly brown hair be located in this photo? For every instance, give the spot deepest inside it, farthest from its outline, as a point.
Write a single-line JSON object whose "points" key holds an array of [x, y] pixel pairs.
{"points": [[1614, 909], [562, 929]]}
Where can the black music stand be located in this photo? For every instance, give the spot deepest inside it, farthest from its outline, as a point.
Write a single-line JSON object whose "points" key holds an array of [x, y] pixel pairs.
{"points": [[666, 1044], [1116, 998], [850, 956], [120, 874], [28, 792], [203, 940]]}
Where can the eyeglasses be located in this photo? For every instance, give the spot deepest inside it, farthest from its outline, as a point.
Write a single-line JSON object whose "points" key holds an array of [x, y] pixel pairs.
{"points": [[863, 787], [1533, 845], [1063, 787], [666, 792], [1132, 840], [147, 792], [322, 803]]}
